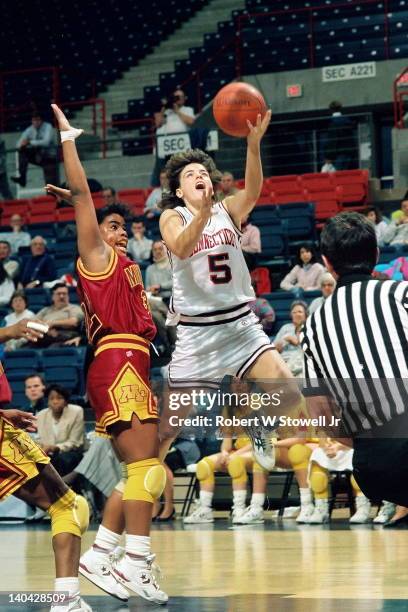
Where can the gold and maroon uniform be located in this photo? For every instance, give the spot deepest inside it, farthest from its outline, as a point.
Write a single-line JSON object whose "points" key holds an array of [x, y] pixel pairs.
{"points": [[19, 454], [120, 327]]}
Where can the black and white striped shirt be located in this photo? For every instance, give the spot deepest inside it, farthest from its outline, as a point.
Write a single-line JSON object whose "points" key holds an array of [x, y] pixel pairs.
{"points": [[357, 343]]}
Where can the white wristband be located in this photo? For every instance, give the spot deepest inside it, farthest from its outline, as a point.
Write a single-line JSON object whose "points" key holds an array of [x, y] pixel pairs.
{"points": [[71, 134]]}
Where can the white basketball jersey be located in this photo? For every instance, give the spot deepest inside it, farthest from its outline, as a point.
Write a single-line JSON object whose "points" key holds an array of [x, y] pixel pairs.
{"points": [[215, 276]]}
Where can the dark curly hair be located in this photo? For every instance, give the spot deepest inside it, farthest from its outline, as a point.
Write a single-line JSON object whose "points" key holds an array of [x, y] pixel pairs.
{"points": [[112, 209], [173, 168]]}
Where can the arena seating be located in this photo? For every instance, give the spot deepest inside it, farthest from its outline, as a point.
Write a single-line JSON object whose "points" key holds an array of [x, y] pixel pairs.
{"points": [[128, 29], [63, 365], [277, 38]]}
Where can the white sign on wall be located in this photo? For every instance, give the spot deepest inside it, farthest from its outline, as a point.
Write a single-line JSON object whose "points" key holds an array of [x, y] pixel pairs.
{"points": [[177, 143], [346, 72]]}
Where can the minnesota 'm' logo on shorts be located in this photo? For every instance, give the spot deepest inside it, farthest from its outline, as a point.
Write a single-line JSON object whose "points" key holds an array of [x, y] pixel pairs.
{"points": [[129, 394]]}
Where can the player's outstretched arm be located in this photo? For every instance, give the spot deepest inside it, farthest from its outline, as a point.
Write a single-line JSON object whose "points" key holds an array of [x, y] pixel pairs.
{"points": [[240, 204], [93, 251], [21, 329], [20, 419]]}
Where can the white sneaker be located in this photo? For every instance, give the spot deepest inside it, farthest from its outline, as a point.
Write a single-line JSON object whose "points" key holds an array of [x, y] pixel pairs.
{"points": [[252, 516], [362, 514], [201, 514], [237, 513], [140, 579], [320, 513], [385, 513], [77, 604], [262, 446], [305, 514], [97, 567]]}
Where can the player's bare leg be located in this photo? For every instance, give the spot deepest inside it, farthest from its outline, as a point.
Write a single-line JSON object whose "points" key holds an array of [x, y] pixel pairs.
{"points": [[69, 519]]}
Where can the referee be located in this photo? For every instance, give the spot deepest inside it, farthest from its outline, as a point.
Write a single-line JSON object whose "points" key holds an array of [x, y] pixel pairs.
{"points": [[356, 352]]}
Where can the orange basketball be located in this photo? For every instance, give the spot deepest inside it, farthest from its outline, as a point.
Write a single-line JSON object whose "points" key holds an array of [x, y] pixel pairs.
{"points": [[234, 104]]}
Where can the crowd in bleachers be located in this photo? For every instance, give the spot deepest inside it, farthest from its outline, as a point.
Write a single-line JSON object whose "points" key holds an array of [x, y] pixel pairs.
{"points": [[280, 241]]}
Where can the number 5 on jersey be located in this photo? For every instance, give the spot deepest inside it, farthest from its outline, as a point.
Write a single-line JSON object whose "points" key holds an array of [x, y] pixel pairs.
{"points": [[220, 273]]}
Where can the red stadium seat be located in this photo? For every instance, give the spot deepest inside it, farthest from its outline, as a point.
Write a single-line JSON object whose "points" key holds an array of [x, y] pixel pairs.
{"points": [[41, 218], [352, 186], [286, 189], [98, 199], [133, 197], [45, 199], [65, 214], [317, 181]]}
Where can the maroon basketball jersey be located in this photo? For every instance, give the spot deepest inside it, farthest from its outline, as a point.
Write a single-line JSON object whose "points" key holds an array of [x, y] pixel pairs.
{"points": [[114, 301]]}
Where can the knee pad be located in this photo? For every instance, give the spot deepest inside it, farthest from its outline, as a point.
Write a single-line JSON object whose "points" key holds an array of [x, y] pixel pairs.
{"points": [[69, 514], [319, 481], [299, 455], [205, 471], [146, 481], [237, 471], [120, 487], [355, 486]]}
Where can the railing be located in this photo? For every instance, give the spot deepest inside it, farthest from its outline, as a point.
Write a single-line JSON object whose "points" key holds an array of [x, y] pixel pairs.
{"points": [[399, 95], [242, 19]]}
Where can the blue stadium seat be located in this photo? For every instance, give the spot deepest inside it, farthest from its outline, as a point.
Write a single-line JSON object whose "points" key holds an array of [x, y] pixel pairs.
{"points": [[37, 298], [301, 220], [22, 361]]}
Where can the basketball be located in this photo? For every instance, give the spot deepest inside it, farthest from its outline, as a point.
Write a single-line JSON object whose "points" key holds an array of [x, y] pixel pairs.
{"points": [[234, 104]]}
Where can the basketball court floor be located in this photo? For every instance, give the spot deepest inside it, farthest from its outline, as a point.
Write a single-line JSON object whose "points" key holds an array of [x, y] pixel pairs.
{"points": [[279, 566]]}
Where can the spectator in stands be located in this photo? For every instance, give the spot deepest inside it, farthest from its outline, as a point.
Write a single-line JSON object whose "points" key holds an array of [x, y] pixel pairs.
{"points": [[397, 231], [11, 266], [19, 306], [61, 430], [305, 276], [110, 196], [327, 285], [34, 387], [226, 186], [340, 149], [6, 287], [37, 146], [374, 215], [63, 318], [264, 311], [16, 238], [39, 267], [250, 242], [4, 185], [151, 209], [139, 247], [173, 117], [287, 338], [159, 280]]}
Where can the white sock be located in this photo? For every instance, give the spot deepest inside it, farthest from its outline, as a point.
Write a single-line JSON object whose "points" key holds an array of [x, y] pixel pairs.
{"points": [[206, 498], [323, 504], [305, 496], [258, 500], [137, 549], [106, 540], [239, 498], [67, 585]]}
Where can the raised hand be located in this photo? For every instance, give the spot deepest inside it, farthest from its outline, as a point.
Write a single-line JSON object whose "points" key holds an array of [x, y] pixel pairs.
{"points": [[63, 123], [207, 200], [257, 131]]}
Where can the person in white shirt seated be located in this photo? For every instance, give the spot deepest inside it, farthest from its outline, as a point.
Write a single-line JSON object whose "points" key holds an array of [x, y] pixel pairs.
{"points": [[37, 146], [7, 287], [374, 215], [17, 237], [327, 285], [139, 247], [19, 306]]}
